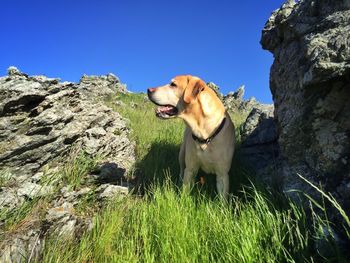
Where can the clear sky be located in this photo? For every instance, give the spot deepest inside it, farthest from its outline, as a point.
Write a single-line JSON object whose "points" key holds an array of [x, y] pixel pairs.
{"points": [[145, 43]]}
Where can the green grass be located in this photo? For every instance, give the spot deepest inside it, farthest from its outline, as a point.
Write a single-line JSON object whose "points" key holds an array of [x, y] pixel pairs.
{"points": [[15, 218], [5, 177], [171, 224], [73, 171]]}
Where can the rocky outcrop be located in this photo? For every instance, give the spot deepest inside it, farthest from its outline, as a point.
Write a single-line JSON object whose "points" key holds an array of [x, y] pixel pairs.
{"points": [[102, 85], [44, 123], [259, 148], [234, 101], [310, 84]]}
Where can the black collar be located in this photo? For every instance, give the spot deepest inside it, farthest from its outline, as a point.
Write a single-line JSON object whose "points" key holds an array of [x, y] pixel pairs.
{"points": [[209, 139]]}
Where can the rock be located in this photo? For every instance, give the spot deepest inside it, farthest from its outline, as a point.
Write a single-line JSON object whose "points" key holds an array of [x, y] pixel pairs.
{"points": [[309, 81], [68, 228], [110, 191], [107, 85], [259, 148], [16, 249], [234, 101], [41, 121], [216, 88], [13, 71], [109, 172], [31, 190], [259, 126], [238, 94], [9, 199], [60, 211]]}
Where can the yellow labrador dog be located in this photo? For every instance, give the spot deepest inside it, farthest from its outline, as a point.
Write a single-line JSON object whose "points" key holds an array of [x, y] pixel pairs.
{"points": [[209, 136]]}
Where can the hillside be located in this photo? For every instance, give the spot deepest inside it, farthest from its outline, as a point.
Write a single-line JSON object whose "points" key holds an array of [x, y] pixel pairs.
{"points": [[89, 174], [88, 164]]}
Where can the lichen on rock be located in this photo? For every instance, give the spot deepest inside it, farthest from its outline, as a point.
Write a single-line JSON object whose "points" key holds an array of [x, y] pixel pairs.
{"points": [[310, 84]]}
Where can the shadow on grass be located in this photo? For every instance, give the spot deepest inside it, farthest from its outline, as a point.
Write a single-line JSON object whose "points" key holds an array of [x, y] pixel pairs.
{"points": [[161, 163]]}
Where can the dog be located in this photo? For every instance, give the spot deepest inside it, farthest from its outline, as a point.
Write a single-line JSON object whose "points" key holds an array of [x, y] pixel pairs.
{"points": [[209, 137]]}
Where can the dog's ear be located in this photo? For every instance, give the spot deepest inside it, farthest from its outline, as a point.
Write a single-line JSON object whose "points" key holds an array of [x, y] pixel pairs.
{"points": [[194, 87]]}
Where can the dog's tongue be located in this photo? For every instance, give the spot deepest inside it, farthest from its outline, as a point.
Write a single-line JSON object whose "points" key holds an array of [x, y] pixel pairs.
{"points": [[164, 108], [166, 111]]}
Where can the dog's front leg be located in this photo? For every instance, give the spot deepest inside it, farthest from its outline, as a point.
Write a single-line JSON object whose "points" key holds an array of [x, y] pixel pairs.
{"points": [[182, 161], [189, 175], [222, 184]]}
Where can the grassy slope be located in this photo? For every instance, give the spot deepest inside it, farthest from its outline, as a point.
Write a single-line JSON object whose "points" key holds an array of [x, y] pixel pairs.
{"points": [[170, 224]]}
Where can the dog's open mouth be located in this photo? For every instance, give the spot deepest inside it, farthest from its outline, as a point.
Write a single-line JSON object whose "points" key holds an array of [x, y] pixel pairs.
{"points": [[167, 111]]}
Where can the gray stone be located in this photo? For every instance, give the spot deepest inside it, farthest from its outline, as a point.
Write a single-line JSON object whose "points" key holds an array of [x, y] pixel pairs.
{"points": [[9, 199], [216, 88], [32, 190], [309, 81], [68, 228], [107, 85], [259, 148], [239, 93], [234, 101], [110, 191], [45, 124], [61, 211], [13, 71], [41, 121], [22, 247]]}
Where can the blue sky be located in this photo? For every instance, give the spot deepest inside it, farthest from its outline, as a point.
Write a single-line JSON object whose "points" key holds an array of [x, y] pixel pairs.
{"points": [[145, 43]]}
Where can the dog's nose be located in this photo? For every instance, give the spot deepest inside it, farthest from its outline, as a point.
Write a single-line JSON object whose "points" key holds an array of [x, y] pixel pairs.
{"points": [[150, 90]]}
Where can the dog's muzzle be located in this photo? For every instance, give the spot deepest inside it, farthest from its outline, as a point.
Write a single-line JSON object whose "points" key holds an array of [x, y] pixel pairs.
{"points": [[163, 111]]}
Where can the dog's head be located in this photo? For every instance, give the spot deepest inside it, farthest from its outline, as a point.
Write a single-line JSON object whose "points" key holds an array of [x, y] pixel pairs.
{"points": [[175, 97]]}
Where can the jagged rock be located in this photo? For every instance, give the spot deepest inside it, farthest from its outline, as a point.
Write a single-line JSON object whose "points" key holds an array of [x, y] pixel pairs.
{"points": [[310, 84], [250, 104], [259, 147], [13, 71], [41, 120], [234, 101], [216, 88], [108, 85], [239, 93], [259, 126]]}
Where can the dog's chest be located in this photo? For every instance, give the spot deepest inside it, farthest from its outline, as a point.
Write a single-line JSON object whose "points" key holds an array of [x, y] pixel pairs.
{"points": [[207, 159]]}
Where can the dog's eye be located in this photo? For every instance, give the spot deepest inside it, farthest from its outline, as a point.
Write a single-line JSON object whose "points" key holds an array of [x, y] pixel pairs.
{"points": [[172, 84]]}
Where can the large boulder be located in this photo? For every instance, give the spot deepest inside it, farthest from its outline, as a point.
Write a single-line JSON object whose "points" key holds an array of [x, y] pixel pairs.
{"points": [[42, 122], [42, 118], [310, 84]]}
